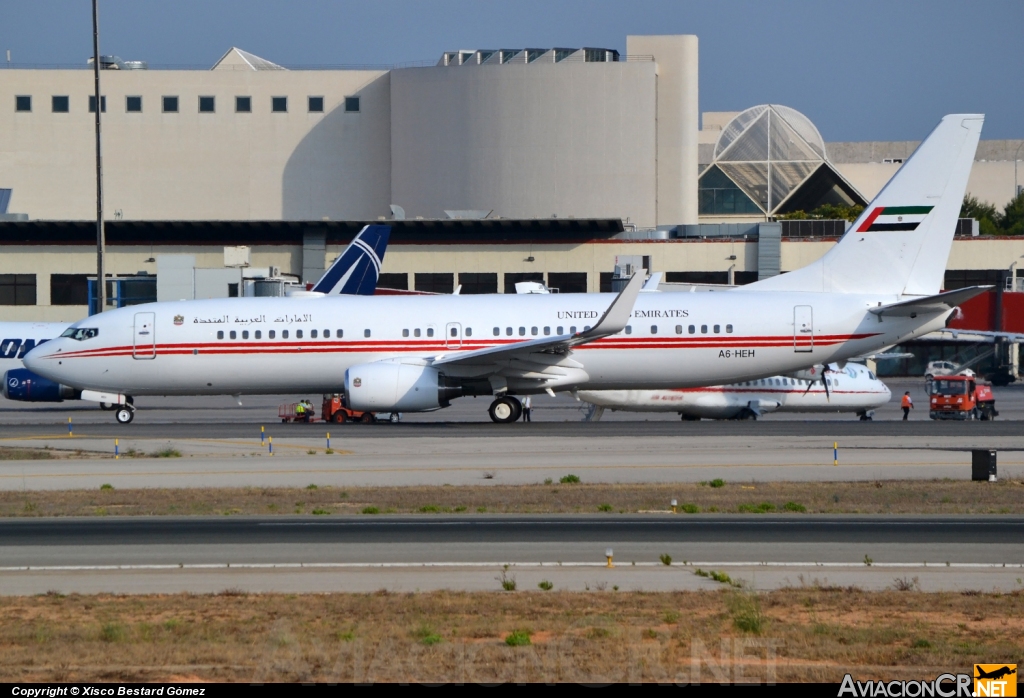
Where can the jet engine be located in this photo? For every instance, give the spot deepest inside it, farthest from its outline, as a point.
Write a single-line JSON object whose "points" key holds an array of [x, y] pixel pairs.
{"points": [[23, 385], [397, 387]]}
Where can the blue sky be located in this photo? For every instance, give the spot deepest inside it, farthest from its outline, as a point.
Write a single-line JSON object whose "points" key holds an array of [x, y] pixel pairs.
{"points": [[869, 70]]}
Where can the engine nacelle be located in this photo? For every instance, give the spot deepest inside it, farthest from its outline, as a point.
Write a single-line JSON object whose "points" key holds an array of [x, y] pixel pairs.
{"points": [[395, 387], [23, 385]]}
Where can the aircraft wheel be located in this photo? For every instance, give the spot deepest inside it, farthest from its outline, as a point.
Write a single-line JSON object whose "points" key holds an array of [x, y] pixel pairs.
{"points": [[124, 415], [367, 418], [505, 410], [394, 418]]}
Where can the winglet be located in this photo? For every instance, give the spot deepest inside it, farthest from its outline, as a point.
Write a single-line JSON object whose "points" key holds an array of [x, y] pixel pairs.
{"points": [[616, 317]]}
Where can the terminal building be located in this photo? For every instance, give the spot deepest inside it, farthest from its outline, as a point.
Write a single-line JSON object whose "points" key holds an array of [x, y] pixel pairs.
{"points": [[558, 165]]}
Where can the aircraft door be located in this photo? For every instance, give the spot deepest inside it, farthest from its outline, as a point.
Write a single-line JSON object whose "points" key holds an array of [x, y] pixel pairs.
{"points": [[453, 335], [803, 328], [145, 336]]}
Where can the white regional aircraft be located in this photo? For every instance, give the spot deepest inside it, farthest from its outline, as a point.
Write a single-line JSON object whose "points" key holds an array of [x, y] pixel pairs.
{"points": [[851, 389], [878, 286]]}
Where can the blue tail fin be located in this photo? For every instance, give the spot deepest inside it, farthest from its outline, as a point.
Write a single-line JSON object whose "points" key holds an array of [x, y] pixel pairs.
{"points": [[355, 271]]}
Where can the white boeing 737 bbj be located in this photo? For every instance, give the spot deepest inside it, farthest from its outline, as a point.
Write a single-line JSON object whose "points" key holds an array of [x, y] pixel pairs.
{"points": [[878, 286]]}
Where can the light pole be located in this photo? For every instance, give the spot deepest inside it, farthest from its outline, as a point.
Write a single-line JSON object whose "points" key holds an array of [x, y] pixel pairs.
{"points": [[101, 279], [1016, 157]]}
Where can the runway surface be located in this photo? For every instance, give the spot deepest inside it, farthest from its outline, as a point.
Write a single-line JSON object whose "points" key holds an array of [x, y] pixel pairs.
{"points": [[309, 554], [558, 417]]}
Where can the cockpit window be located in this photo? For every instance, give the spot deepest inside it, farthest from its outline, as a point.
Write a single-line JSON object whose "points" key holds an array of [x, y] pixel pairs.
{"points": [[872, 376], [80, 333]]}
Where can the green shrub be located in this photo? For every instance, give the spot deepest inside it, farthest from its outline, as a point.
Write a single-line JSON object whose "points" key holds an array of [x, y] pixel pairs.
{"points": [[569, 479], [320, 512], [921, 644], [167, 453], [605, 507], [518, 638], [371, 510], [106, 486], [545, 585], [508, 581], [112, 632], [311, 486], [717, 482], [430, 509], [746, 613], [426, 635], [690, 508], [666, 559], [794, 506], [761, 508]]}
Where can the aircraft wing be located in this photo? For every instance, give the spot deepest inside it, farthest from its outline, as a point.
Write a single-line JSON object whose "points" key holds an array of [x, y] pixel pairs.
{"points": [[929, 304], [614, 320]]}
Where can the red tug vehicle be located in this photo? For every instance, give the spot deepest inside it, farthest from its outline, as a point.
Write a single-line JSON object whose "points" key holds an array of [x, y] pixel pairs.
{"points": [[961, 397], [333, 409]]}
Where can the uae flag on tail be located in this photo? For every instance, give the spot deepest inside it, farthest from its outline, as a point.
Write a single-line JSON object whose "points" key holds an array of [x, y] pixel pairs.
{"points": [[894, 218]]}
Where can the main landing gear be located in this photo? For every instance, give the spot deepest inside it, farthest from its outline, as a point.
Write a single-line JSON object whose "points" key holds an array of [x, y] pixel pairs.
{"points": [[124, 414], [505, 409]]}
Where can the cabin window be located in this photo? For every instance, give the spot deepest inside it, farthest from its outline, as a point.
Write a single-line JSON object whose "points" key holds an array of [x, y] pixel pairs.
{"points": [[654, 329], [718, 329], [692, 329], [679, 329], [469, 331], [327, 334], [728, 329], [298, 334], [339, 333], [522, 331], [312, 334], [587, 328], [258, 334], [272, 333], [284, 334], [416, 332], [366, 333], [703, 329], [233, 335], [558, 330], [455, 332], [547, 331], [245, 334], [430, 332], [533, 331], [405, 333], [629, 329], [508, 331], [572, 329], [220, 334], [497, 331]]}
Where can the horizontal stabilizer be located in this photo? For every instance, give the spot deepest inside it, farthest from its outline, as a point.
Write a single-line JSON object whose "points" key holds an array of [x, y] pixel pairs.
{"points": [[929, 304]]}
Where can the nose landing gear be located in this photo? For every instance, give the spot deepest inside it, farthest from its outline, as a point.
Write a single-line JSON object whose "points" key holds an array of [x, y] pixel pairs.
{"points": [[505, 410]]}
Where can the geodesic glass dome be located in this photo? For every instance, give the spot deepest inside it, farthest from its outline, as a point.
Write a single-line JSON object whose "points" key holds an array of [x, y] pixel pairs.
{"points": [[770, 159]]}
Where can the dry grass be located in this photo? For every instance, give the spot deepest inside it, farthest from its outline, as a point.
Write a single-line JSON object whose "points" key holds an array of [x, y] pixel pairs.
{"points": [[7, 453], [814, 633], [754, 499]]}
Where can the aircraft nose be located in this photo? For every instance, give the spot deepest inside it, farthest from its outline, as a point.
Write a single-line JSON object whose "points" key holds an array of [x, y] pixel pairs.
{"points": [[34, 360]]}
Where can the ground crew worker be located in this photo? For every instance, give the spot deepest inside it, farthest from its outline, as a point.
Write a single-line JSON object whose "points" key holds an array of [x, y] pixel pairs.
{"points": [[527, 406], [300, 409], [907, 404]]}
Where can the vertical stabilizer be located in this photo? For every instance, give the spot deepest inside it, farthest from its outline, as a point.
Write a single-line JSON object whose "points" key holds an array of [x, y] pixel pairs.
{"points": [[355, 271], [901, 243]]}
